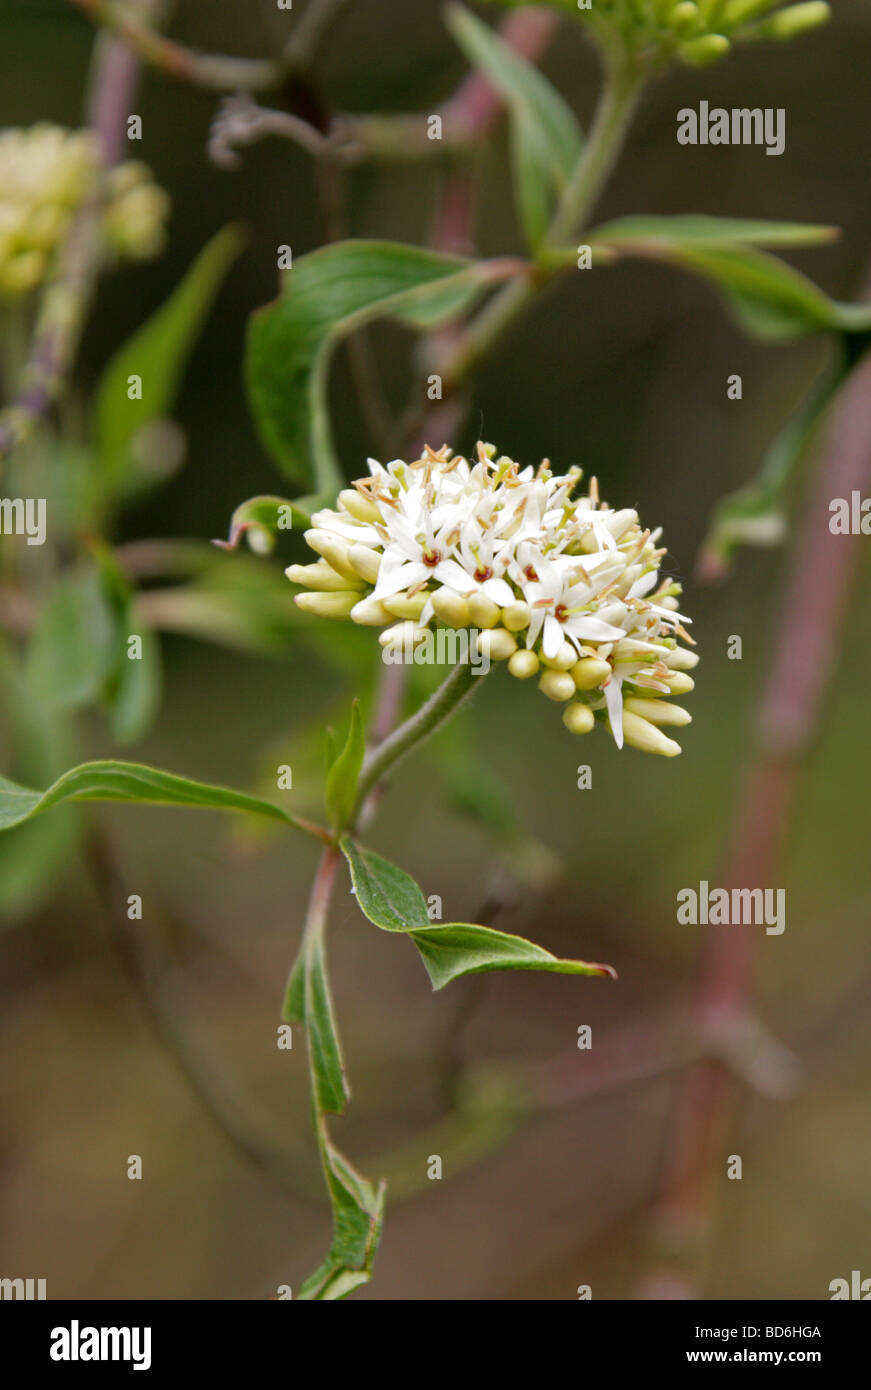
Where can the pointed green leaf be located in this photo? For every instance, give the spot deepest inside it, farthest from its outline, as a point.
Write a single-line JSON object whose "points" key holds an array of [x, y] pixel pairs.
{"points": [[769, 299], [391, 899], [343, 776], [546, 139], [460, 948], [685, 230], [158, 353], [358, 1212], [386, 894], [131, 782], [326, 296]]}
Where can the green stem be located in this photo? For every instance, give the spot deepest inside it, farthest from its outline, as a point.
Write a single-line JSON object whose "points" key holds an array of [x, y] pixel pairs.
{"points": [[617, 103], [616, 107], [459, 684]]}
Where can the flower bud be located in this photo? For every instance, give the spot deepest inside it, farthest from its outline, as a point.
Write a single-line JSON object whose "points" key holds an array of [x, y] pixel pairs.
{"points": [[590, 672], [640, 733], [402, 634], [496, 643], [516, 616], [336, 605], [699, 52], [360, 508], [578, 718], [621, 522], [365, 562], [798, 19], [684, 17], [333, 549], [681, 660], [564, 660], [557, 685], [483, 611], [320, 576], [680, 684], [450, 608], [658, 711], [370, 612], [405, 605], [523, 664]]}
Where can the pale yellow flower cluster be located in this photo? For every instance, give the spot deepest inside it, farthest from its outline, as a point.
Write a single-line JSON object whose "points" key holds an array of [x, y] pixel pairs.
{"points": [[561, 587], [46, 174]]}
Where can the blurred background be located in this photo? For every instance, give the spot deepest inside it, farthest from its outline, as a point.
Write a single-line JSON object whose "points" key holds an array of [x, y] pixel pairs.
{"points": [[624, 373]]}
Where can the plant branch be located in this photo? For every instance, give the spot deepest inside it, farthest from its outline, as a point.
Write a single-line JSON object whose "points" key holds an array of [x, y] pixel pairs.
{"points": [[67, 298], [439, 707], [614, 112], [214, 71]]}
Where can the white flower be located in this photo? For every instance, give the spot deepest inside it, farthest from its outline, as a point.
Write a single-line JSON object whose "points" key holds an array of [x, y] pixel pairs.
{"points": [[571, 579]]}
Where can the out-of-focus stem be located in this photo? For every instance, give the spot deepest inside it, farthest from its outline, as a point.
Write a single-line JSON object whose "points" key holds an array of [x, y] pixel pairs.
{"points": [[67, 299], [806, 649], [215, 71]]}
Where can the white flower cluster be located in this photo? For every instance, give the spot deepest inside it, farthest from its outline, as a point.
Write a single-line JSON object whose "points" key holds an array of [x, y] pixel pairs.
{"points": [[46, 173], [560, 586]]}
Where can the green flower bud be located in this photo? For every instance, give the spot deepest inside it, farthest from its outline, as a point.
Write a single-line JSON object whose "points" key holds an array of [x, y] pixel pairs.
{"points": [[707, 49]]}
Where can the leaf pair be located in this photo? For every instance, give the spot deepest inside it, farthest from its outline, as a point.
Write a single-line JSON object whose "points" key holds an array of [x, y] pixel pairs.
{"points": [[391, 899], [357, 1204]]}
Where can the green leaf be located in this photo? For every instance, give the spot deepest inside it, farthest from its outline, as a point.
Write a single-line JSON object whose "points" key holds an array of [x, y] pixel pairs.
{"points": [[546, 139], [75, 641], [358, 1213], [391, 899], [259, 519], [131, 782], [686, 230], [769, 299], [757, 513], [357, 1204], [343, 776], [157, 352], [326, 296], [308, 1000]]}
